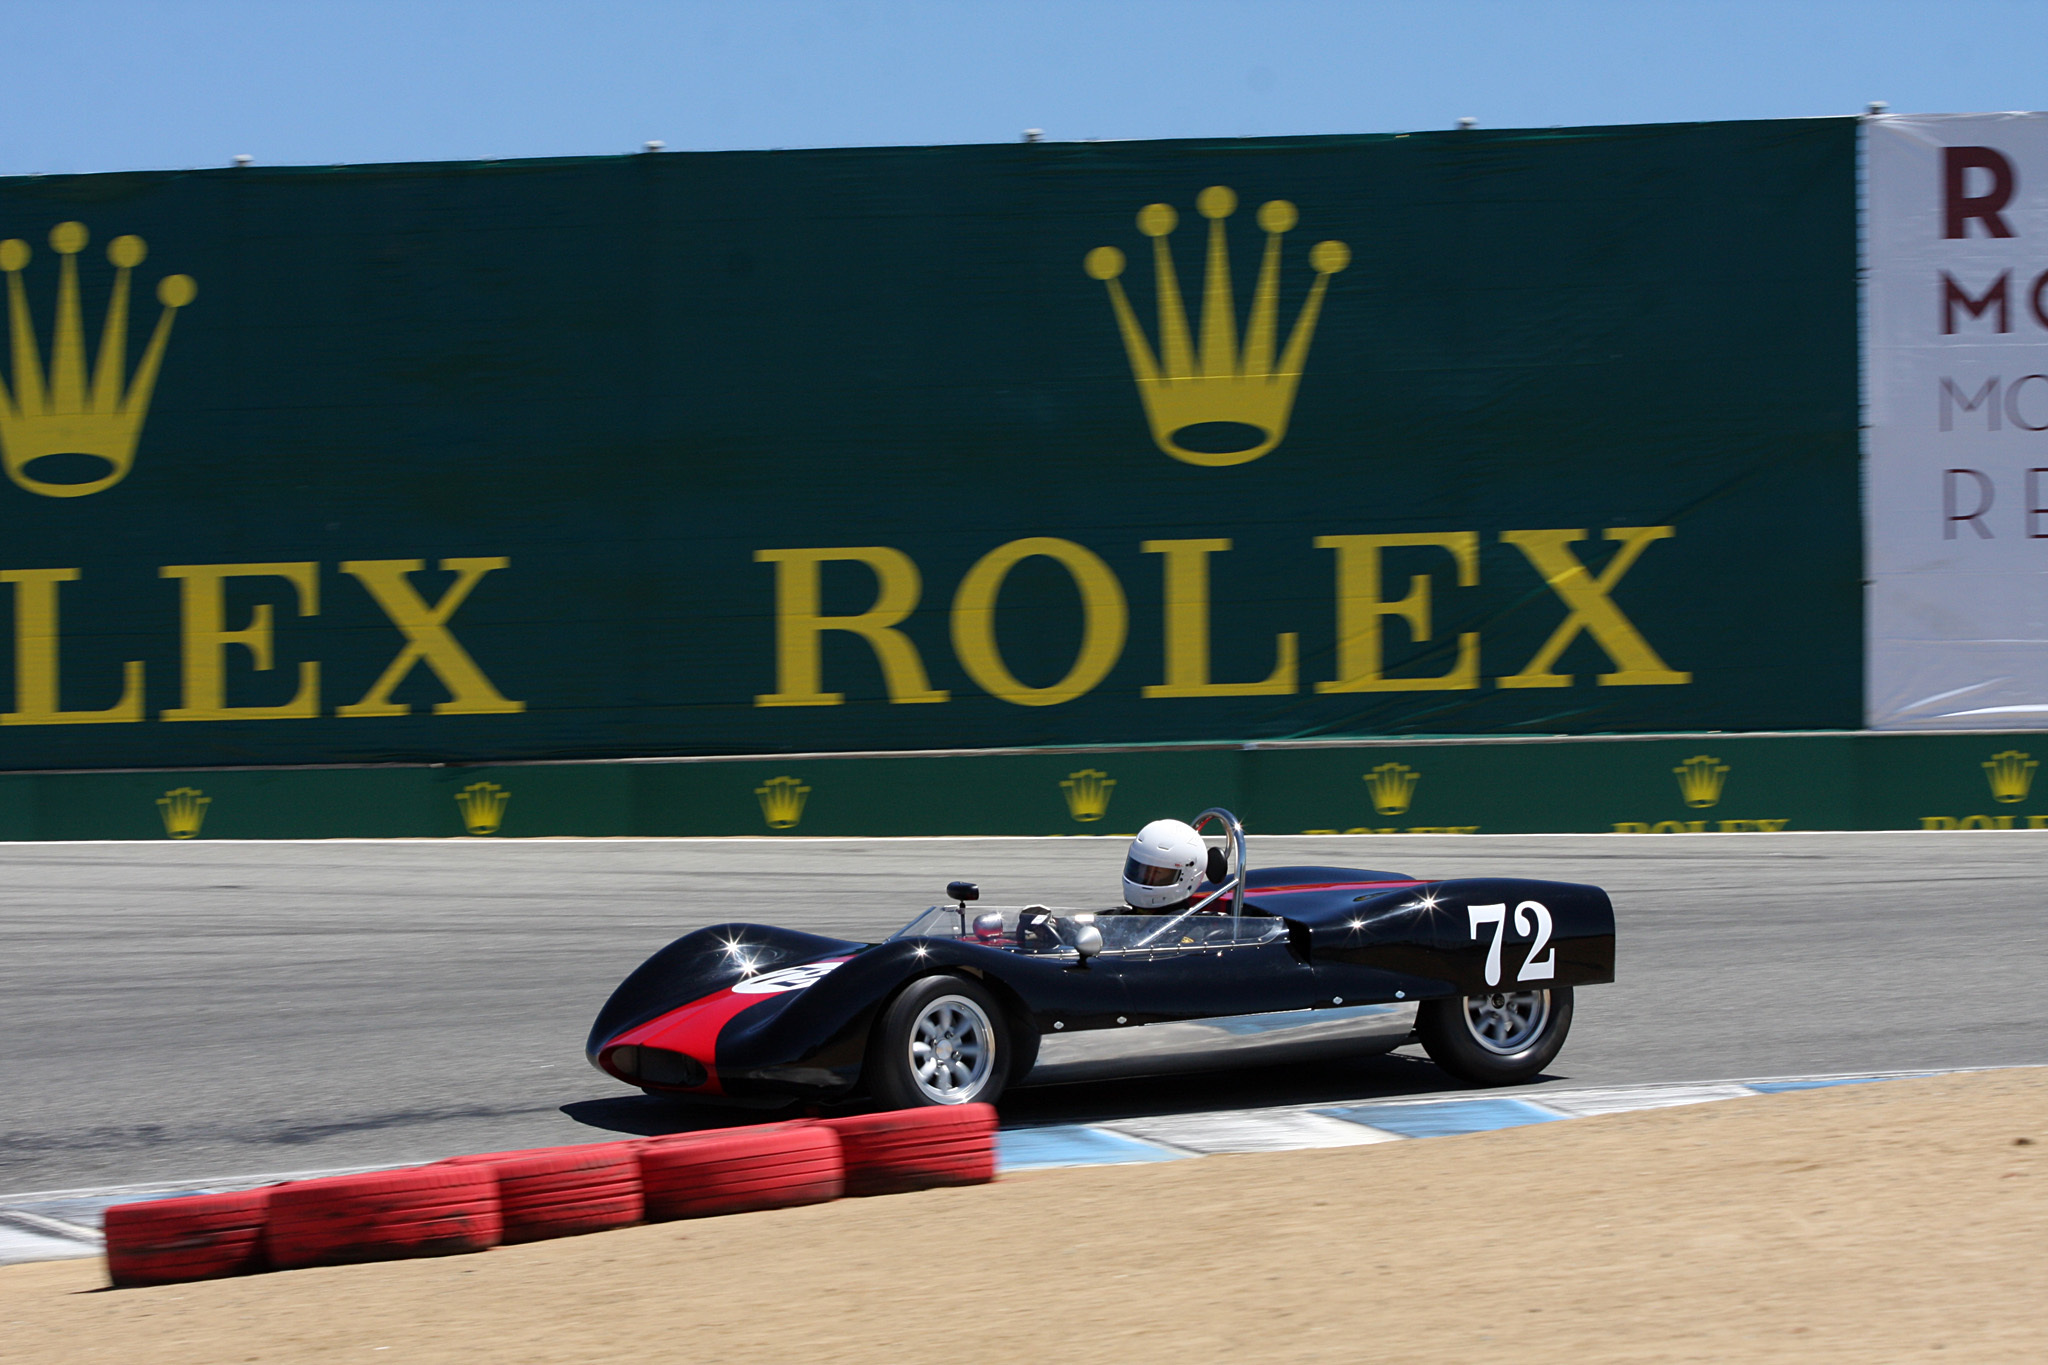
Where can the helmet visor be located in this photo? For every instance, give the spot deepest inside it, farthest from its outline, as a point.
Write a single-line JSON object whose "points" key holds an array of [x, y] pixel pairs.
{"points": [[1145, 874]]}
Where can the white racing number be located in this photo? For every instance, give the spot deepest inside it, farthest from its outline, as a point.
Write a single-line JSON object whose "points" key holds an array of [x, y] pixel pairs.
{"points": [[1526, 913], [785, 979], [1530, 917]]}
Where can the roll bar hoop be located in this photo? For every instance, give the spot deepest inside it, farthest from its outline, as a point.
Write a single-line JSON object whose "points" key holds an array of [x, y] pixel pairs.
{"points": [[1235, 829]]}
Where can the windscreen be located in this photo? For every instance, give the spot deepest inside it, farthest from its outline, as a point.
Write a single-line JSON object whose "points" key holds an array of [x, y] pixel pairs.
{"points": [[1036, 929]]}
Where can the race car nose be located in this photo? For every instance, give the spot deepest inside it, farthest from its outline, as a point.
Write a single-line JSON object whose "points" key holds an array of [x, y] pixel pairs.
{"points": [[642, 1065]]}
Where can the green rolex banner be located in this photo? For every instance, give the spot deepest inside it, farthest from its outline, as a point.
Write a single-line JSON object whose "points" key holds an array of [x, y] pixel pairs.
{"points": [[1088, 443]]}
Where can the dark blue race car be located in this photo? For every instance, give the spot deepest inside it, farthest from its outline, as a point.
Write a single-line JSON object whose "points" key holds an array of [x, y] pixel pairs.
{"points": [[1261, 965]]}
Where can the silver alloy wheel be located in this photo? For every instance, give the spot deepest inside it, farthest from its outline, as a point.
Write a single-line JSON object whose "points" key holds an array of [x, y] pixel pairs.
{"points": [[952, 1050], [1507, 1022]]}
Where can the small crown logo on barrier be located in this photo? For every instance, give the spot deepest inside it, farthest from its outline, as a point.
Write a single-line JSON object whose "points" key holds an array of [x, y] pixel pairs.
{"points": [[71, 413], [782, 801], [1392, 786], [2011, 775], [483, 807], [183, 810], [1182, 388], [1088, 793], [1700, 779]]}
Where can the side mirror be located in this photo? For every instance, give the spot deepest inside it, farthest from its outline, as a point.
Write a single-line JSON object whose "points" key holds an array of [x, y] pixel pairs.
{"points": [[963, 891], [1219, 866], [1087, 942]]}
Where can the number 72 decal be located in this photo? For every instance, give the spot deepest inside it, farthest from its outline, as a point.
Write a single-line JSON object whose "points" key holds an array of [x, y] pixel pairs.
{"points": [[1527, 914]]}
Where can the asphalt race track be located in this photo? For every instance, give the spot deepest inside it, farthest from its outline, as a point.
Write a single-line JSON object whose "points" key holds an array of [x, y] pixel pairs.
{"points": [[173, 1011]]}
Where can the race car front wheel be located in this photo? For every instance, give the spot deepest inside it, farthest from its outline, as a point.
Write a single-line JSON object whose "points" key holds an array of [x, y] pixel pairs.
{"points": [[1501, 1038], [942, 1040]]}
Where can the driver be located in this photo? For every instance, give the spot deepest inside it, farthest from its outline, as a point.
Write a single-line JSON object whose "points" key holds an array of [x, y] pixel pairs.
{"points": [[1165, 865]]}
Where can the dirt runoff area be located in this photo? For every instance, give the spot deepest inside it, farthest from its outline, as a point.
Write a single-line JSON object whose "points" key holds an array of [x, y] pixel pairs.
{"points": [[1898, 1221]]}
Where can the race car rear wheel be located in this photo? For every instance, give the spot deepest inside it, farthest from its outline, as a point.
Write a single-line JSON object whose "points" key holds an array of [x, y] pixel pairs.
{"points": [[942, 1040], [1500, 1038]]}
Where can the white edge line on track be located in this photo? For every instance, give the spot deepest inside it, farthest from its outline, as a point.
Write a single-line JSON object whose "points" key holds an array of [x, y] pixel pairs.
{"points": [[55, 1227], [224, 1182]]}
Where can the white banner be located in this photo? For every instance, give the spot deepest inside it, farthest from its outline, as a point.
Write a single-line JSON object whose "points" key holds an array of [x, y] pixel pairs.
{"points": [[1956, 358]]}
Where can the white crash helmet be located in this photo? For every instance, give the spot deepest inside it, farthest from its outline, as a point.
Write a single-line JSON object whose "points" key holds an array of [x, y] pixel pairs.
{"points": [[1165, 865]]}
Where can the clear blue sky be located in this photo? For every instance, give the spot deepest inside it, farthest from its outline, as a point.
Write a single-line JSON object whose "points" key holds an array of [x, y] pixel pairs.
{"points": [[101, 85]]}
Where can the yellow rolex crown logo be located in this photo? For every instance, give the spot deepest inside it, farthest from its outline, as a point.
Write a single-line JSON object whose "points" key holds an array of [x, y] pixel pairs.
{"points": [[483, 807], [68, 412], [1221, 382], [782, 801], [1392, 786], [1087, 794], [1700, 779], [2011, 775], [183, 810]]}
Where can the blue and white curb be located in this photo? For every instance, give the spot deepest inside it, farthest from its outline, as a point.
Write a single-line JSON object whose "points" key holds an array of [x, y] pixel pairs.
{"points": [[1174, 1137], [51, 1225], [27, 1236]]}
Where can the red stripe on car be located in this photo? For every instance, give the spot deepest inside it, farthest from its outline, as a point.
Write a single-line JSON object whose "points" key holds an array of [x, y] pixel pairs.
{"points": [[693, 1030], [1322, 886]]}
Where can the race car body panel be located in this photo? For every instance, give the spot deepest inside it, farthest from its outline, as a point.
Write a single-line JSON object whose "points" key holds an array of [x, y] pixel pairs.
{"points": [[754, 1013], [1459, 937], [796, 1030]]}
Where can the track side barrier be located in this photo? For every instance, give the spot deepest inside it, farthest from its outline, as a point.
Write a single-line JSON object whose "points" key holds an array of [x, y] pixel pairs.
{"points": [[915, 1149], [563, 1191], [475, 1202], [197, 1237]]}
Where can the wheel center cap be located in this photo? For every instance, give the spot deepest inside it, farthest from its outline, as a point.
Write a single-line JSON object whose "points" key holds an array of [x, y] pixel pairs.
{"points": [[945, 1050]]}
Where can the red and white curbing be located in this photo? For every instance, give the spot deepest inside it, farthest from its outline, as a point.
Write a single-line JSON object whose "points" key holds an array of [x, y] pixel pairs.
{"points": [[473, 1203]]}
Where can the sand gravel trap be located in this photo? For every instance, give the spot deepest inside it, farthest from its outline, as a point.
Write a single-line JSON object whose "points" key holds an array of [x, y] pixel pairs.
{"points": [[1894, 1222]]}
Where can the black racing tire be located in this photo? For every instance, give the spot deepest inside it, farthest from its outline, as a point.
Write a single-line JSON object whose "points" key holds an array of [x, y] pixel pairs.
{"points": [[908, 1063], [1463, 1034]]}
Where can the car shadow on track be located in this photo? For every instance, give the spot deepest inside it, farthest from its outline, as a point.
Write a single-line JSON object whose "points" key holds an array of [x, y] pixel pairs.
{"points": [[1389, 1076], [1347, 1080], [653, 1116]]}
